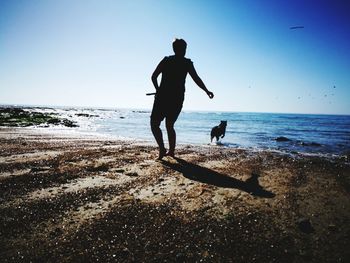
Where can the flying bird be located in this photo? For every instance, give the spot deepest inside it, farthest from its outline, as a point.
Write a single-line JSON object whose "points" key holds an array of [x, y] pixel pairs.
{"points": [[296, 27]]}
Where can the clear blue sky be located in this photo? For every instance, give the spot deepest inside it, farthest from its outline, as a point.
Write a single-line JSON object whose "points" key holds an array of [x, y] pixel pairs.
{"points": [[102, 53]]}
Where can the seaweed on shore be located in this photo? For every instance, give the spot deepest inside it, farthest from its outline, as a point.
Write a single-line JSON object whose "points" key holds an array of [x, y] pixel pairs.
{"points": [[17, 117]]}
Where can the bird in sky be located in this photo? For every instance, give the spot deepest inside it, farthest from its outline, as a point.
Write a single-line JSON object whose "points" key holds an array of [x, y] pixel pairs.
{"points": [[296, 27]]}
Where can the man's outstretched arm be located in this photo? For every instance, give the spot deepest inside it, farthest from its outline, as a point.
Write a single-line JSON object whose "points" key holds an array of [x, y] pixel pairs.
{"points": [[199, 81]]}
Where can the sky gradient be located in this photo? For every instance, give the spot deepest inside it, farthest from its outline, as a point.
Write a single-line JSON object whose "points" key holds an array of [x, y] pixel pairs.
{"points": [[102, 53]]}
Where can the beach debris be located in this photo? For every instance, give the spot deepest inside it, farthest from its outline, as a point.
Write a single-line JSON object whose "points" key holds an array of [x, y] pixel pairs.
{"points": [[282, 139], [305, 254], [54, 121], [140, 111], [86, 115], [332, 227], [99, 168], [68, 123], [305, 226], [40, 169], [132, 174], [312, 144]]}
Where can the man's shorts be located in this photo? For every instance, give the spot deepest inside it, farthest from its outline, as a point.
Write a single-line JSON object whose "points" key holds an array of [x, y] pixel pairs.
{"points": [[166, 107]]}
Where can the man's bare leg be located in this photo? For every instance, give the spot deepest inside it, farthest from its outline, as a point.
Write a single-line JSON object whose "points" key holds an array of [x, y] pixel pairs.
{"points": [[158, 135], [171, 136]]}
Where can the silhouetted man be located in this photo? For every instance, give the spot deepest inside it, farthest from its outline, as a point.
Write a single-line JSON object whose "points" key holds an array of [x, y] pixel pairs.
{"points": [[170, 94]]}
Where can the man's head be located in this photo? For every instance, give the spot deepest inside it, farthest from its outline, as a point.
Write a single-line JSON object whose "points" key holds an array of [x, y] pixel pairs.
{"points": [[179, 47]]}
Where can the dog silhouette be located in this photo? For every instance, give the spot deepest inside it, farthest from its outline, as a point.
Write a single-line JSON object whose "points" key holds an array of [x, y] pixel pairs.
{"points": [[218, 131]]}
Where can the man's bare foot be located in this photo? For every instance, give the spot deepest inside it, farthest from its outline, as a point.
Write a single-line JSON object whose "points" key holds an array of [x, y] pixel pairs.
{"points": [[162, 153], [171, 154]]}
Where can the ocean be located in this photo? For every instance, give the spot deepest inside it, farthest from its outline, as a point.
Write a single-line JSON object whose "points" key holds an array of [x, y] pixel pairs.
{"points": [[306, 133]]}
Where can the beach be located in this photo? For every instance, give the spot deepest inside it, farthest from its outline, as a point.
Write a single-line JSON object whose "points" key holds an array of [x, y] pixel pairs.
{"points": [[70, 198]]}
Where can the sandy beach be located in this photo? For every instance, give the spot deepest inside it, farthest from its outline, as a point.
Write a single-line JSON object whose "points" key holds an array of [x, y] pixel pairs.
{"points": [[70, 198]]}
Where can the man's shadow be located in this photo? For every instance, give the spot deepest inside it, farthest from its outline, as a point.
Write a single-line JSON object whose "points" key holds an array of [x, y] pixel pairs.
{"points": [[208, 176]]}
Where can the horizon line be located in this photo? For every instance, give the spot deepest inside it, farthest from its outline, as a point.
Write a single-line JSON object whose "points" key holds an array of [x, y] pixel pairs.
{"points": [[149, 109]]}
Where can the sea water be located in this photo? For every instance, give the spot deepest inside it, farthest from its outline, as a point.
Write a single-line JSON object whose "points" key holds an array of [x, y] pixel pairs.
{"points": [[316, 134]]}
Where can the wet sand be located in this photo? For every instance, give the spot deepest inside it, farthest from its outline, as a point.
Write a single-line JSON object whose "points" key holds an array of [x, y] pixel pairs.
{"points": [[67, 198]]}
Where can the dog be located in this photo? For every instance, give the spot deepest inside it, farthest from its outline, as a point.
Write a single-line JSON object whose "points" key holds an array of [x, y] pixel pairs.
{"points": [[218, 131]]}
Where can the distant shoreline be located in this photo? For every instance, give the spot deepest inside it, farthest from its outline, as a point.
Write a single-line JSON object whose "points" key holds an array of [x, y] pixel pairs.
{"points": [[149, 109]]}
